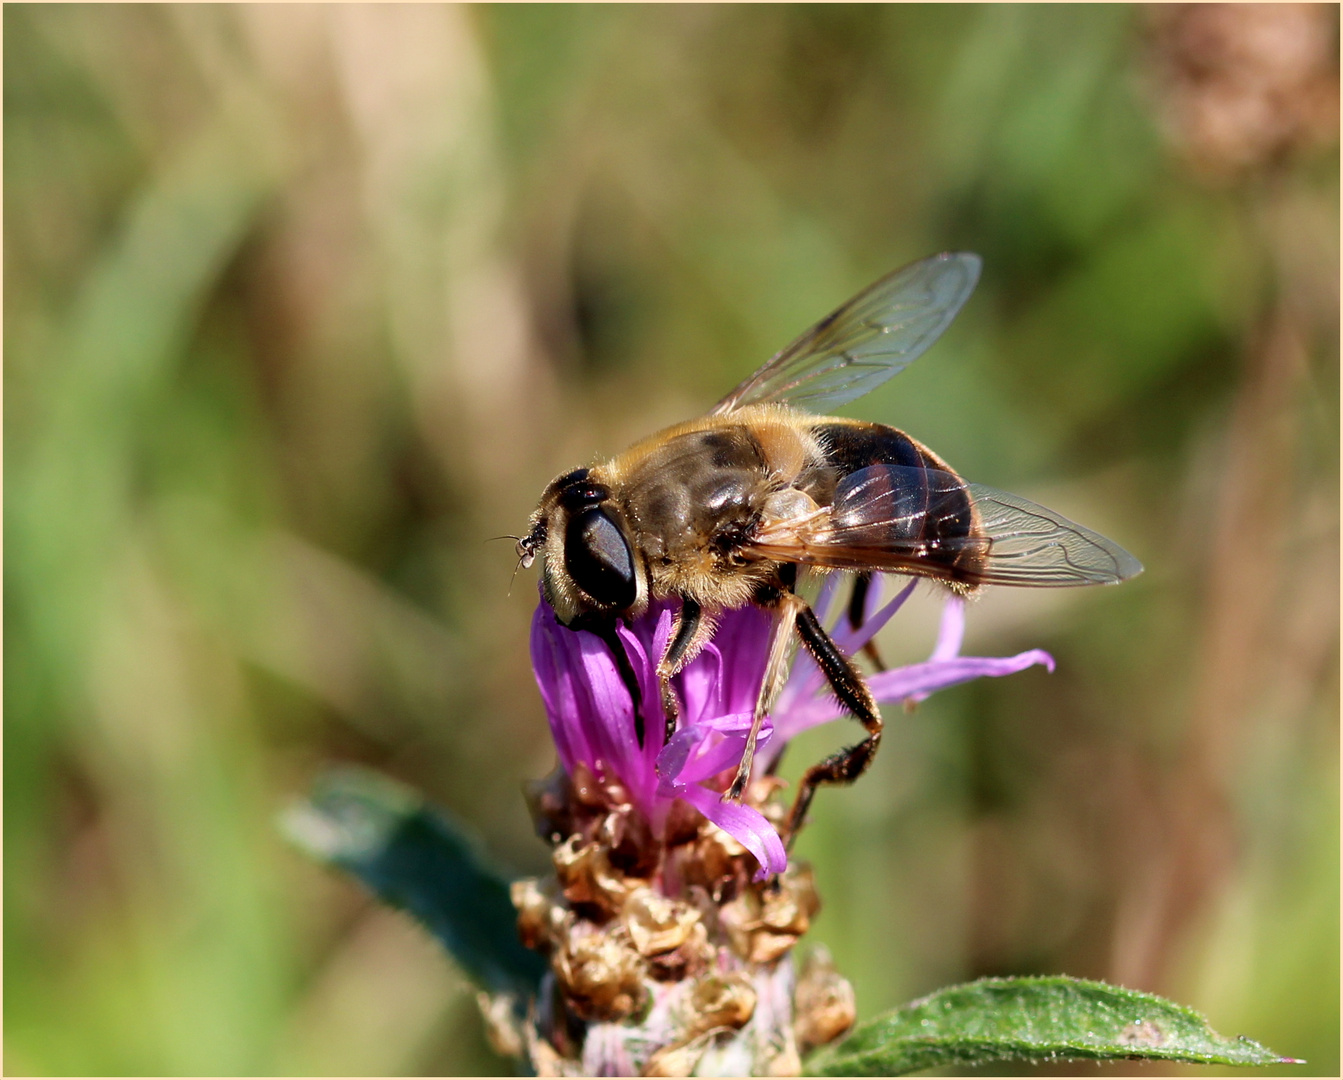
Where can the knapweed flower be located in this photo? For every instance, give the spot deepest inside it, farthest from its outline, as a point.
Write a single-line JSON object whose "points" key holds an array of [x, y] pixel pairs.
{"points": [[671, 917]]}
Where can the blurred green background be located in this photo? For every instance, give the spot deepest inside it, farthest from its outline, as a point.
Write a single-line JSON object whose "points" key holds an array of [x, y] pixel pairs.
{"points": [[305, 303]]}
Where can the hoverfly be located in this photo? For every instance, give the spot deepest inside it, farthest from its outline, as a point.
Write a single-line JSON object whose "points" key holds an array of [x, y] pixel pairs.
{"points": [[721, 511]]}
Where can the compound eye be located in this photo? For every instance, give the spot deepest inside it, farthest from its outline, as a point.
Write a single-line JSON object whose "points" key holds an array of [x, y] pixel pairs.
{"points": [[599, 560]]}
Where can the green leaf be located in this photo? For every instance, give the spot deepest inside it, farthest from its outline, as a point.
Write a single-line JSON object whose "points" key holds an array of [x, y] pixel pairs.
{"points": [[415, 857], [1038, 1018]]}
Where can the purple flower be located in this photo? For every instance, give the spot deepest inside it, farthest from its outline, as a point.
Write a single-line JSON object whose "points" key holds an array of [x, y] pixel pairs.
{"points": [[592, 715]]}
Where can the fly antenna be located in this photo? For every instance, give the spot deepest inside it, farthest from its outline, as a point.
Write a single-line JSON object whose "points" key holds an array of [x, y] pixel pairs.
{"points": [[524, 557]]}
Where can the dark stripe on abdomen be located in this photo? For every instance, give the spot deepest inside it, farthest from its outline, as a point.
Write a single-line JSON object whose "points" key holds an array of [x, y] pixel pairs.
{"points": [[850, 447], [907, 499]]}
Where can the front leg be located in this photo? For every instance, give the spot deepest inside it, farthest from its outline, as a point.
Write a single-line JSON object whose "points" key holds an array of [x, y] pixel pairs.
{"points": [[786, 605], [690, 633]]}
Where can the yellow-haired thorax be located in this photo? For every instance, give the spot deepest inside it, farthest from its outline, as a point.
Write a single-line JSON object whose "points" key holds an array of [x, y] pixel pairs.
{"points": [[783, 434], [708, 584]]}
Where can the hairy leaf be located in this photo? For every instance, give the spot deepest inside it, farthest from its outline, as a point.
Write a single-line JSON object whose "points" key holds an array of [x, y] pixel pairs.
{"points": [[1039, 1018], [414, 857]]}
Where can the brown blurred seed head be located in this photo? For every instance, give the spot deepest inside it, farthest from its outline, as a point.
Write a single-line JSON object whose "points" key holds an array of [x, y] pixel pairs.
{"points": [[1241, 86], [693, 955], [679, 1059], [787, 1062]]}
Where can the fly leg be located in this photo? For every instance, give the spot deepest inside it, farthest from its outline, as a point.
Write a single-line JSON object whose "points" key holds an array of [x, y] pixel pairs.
{"points": [[690, 632], [844, 766], [786, 605], [857, 615]]}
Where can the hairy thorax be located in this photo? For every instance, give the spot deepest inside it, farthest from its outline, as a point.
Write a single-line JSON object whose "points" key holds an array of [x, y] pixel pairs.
{"points": [[693, 494]]}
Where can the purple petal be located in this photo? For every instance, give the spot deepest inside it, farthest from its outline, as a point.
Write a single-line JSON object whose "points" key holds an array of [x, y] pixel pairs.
{"points": [[700, 752], [591, 712], [951, 632], [743, 637], [806, 678], [917, 681], [913, 682], [826, 597], [642, 644], [873, 599], [850, 640], [588, 705], [674, 756], [748, 827], [699, 687], [640, 654], [609, 718], [558, 692]]}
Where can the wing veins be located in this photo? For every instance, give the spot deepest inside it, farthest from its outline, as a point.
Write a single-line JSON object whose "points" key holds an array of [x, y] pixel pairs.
{"points": [[1014, 542], [865, 341]]}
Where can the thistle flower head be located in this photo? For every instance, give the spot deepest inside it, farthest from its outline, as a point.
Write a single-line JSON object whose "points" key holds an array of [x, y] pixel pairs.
{"points": [[592, 713], [671, 916]]}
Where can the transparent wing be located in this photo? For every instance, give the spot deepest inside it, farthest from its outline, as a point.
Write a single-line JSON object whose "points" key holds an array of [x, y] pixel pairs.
{"points": [[930, 523], [1032, 545], [858, 347]]}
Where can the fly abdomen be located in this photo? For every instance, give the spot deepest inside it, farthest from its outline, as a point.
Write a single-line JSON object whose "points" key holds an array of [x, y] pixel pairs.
{"points": [[853, 446], [894, 494]]}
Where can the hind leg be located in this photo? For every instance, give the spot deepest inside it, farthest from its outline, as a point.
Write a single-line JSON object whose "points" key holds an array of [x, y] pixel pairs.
{"points": [[845, 766], [862, 582]]}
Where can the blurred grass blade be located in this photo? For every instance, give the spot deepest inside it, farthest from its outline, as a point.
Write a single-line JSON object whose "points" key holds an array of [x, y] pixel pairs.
{"points": [[1044, 1018], [122, 340], [415, 858]]}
